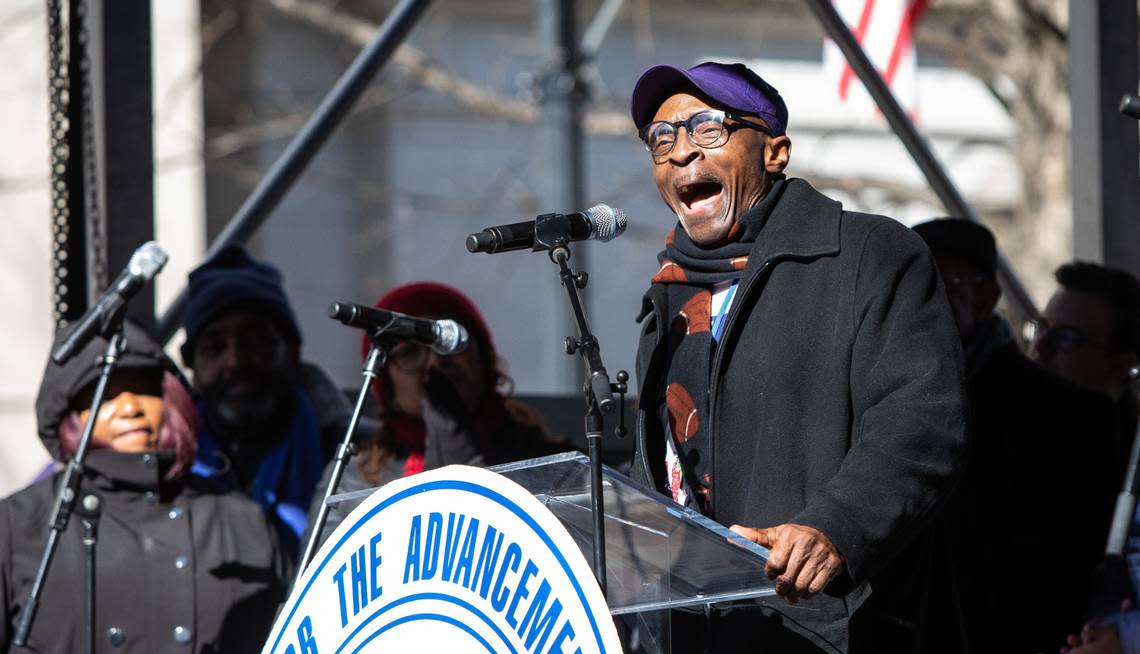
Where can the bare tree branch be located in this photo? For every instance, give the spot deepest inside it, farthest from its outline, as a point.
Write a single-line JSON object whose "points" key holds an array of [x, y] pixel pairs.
{"points": [[477, 99], [361, 32], [1019, 49]]}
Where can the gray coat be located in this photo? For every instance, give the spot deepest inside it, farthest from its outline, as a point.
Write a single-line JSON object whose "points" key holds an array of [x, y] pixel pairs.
{"points": [[181, 566]]}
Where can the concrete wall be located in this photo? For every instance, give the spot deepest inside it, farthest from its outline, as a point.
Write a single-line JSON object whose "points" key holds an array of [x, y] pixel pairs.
{"points": [[25, 251]]}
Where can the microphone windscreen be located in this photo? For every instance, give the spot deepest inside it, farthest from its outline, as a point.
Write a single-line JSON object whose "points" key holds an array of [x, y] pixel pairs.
{"points": [[147, 260], [451, 337], [608, 223]]}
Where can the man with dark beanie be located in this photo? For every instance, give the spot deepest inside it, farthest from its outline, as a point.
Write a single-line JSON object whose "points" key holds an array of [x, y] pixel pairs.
{"points": [[1041, 454], [799, 375], [262, 430]]}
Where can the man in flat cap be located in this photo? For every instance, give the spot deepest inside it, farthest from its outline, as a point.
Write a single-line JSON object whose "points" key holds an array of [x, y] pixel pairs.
{"points": [[799, 374], [1029, 430]]}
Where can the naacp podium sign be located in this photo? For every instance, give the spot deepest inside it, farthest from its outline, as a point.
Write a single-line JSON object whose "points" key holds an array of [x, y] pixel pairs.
{"points": [[458, 559]]}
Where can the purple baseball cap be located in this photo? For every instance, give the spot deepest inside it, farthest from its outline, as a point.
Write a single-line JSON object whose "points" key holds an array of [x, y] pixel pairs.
{"points": [[732, 85]]}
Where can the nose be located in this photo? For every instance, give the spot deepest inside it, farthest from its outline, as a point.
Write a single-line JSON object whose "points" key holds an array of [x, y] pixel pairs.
{"points": [[232, 356], [127, 405], [684, 150], [436, 360]]}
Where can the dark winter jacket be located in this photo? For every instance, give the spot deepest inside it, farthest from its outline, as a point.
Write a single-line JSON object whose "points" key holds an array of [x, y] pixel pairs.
{"points": [[837, 402], [181, 566], [1043, 458]]}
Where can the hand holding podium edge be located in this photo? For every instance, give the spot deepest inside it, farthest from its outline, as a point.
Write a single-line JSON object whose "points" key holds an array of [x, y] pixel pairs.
{"points": [[802, 559]]}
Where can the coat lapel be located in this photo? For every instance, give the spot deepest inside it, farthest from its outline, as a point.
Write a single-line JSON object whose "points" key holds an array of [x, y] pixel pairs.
{"points": [[804, 225]]}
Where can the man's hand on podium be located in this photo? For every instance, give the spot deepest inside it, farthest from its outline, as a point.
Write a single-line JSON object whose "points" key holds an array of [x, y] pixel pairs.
{"points": [[801, 559]]}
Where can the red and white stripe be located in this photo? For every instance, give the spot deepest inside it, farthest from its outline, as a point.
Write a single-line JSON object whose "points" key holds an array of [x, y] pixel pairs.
{"points": [[884, 28]]}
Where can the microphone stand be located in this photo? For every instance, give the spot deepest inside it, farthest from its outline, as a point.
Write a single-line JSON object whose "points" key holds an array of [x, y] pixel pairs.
{"points": [[1122, 514], [69, 486], [373, 362], [597, 391], [89, 511]]}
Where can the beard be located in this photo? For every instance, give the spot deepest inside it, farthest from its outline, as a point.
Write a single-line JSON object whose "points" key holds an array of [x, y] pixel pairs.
{"points": [[260, 408]]}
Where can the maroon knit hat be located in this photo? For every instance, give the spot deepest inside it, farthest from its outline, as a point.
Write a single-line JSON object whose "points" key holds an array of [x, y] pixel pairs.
{"points": [[435, 300]]}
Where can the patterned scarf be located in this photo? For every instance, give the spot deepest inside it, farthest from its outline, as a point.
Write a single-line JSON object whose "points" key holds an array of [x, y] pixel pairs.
{"points": [[690, 272]]}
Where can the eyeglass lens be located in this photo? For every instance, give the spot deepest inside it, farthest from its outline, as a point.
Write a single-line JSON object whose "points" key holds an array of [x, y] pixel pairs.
{"points": [[1061, 337], [409, 356], [705, 128]]}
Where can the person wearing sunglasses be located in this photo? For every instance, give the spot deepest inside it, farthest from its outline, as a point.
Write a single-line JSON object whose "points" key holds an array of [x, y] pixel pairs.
{"points": [[1029, 430], [798, 374], [1089, 332], [437, 410]]}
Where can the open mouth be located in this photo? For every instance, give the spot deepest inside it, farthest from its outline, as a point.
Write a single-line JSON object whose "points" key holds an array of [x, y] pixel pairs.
{"points": [[698, 195]]}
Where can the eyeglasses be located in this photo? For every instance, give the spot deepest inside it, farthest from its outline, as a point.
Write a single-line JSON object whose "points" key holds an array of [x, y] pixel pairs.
{"points": [[1060, 337], [409, 357], [705, 128]]}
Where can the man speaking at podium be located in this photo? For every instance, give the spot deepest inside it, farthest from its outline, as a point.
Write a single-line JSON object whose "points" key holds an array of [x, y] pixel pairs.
{"points": [[799, 375]]}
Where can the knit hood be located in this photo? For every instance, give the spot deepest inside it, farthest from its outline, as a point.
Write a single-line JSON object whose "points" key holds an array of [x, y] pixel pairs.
{"points": [[62, 384]]}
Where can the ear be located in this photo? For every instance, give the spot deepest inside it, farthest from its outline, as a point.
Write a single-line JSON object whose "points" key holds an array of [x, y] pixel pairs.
{"points": [[777, 153]]}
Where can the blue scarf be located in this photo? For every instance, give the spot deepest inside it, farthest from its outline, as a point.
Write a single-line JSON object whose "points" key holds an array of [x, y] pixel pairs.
{"points": [[288, 473]]}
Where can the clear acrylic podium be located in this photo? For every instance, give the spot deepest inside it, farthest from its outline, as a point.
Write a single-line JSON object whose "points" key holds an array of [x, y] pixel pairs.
{"points": [[659, 555]]}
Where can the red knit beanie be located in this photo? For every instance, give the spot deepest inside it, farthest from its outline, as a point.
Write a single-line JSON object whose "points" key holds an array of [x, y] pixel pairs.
{"points": [[435, 300]]}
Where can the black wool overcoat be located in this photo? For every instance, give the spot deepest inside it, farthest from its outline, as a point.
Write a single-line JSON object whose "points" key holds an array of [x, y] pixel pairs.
{"points": [[836, 400]]}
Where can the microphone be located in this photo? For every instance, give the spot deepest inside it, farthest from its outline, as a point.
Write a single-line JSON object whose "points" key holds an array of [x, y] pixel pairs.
{"points": [[145, 263], [600, 222], [443, 336]]}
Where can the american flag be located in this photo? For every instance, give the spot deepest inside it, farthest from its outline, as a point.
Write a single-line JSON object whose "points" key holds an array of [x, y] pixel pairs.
{"points": [[884, 28]]}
